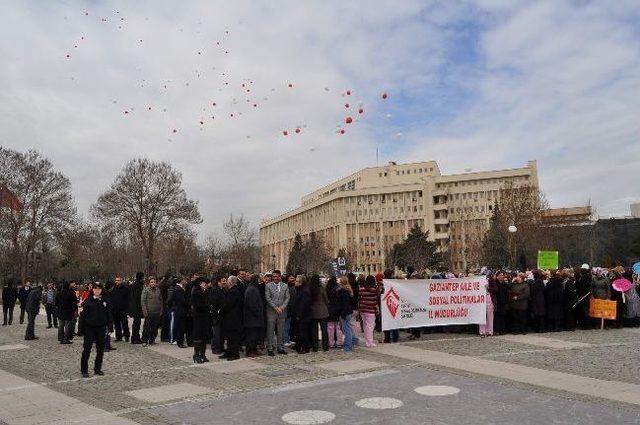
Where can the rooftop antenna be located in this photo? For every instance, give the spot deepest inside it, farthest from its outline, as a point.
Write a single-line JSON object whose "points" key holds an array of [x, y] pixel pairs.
{"points": [[377, 146]]}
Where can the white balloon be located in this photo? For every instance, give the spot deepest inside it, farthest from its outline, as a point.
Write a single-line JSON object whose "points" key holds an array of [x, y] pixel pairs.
{"points": [[513, 229]]}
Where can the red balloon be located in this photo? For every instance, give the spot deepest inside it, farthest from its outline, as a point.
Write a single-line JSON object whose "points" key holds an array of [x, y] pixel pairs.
{"points": [[201, 122], [384, 95], [342, 131], [348, 120], [175, 131], [149, 107], [126, 112], [360, 110], [290, 85], [286, 133], [348, 92], [297, 130], [68, 56], [213, 104], [255, 105], [346, 105]]}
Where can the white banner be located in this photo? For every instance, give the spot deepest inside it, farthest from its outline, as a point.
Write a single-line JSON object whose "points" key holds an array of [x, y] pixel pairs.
{"points": [[433, 302]]}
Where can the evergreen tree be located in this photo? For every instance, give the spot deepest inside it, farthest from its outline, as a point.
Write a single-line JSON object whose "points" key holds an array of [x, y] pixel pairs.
{"points": [[416, 252], [496, 250], [295, 264]]}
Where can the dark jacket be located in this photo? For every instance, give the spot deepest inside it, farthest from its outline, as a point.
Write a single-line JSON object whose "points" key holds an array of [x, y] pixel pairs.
{"points": [[231, 312], [9, 296], [518, 296], [23, 293], [253, 307], [33, 301], [553, 296], [344, 303], [570, 296], [120, 298], [536, 301], [302, 307], [96, 312], [135, 299], [177, 302], [502, 298], [319, 304], [293, 291], [334, 308], [583, 283], [216, 301], [68, 304], [199, 303], [492, 290]]}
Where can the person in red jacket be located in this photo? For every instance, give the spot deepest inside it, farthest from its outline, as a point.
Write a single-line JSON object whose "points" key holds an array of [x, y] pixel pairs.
{"points": [[368, 308]]}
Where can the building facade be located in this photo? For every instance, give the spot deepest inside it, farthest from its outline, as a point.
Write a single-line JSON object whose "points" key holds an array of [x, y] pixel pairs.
{"points": [[369, 211]]}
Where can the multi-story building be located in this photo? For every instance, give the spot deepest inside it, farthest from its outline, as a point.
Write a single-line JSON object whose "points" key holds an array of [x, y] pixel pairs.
{"points": [[635, 210], [369, 211]]}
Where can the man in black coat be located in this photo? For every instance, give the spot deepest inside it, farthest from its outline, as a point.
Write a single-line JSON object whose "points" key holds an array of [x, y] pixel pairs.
{"points": [[23, 293], [583, 287], [165, 329], [253, 316], [119, 308], [216, 296], [302, 315], [200, 315], [96, 321], [537, 301], [179, 307], [9, 297], [32, 307], [135, 307], [67, 309], [231, 315]]}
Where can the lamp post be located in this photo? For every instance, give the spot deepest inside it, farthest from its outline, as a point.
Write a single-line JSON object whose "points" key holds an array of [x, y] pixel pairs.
{"points": [[512, 230], [273, 257]]}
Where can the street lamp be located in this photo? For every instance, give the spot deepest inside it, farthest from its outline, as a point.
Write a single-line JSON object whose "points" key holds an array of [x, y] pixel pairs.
{"points": [[512, 230], [273, 256]]}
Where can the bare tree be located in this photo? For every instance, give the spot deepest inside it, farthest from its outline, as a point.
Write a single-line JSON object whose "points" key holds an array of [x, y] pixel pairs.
{"points": [[47, 206], [147, 200], [241, 249]]}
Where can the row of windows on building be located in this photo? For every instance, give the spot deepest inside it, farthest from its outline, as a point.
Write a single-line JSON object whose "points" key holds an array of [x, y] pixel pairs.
{"points": [[403, 172], [376, 211], [496, 180]]}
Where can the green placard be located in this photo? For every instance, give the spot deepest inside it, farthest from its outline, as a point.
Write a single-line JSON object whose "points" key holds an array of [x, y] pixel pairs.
{"points": [[547, 260]]}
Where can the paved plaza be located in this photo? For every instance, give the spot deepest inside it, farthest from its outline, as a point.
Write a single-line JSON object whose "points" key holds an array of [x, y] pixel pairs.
{"points": [[586, 377]]}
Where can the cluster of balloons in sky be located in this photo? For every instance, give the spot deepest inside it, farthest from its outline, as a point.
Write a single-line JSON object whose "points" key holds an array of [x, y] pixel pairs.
{"points": [[244, 92]]}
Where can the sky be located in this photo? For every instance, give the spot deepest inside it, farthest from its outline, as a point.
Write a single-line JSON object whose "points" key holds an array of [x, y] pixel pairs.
{"points": [[485, 84]]}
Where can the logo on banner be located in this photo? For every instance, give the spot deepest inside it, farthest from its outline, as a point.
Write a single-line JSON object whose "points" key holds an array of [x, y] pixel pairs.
{"points": [[392, 301]]}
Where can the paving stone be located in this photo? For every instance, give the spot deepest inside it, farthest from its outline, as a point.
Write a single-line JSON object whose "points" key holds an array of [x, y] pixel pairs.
{"points": [[350, 366], [168, 392], [544, 341], [282, 372], [7, 347], [236, 366]]}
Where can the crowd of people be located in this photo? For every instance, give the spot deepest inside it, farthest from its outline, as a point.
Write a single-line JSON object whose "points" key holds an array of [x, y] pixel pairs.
{"points": [[270, 312]]}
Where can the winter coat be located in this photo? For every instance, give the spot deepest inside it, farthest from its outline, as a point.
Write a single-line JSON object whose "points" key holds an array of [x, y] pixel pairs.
{"points": [[334, 308], [68, 304], [302, 308], [355, 299], [632, 305], [601, 288], [554, 296], [368, 300], [216, 297], [231, 312], [199, 303], [177, 302], [293, 291], [120, 298], [9, 296], [519, 296], [537, 300], [151, 301], [570, 296], [502, 298], [583, 284], [23, 293], [32, 304], [319, 305], [344, 303], [96, 312], [493, 289], [253, 307], [49, 296], [135, 299]]}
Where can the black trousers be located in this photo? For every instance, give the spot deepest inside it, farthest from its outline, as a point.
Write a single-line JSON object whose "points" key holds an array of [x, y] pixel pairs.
{"points": [[150, 329], [538, 323], [121, 324], [31, 326], [22, 311], [51, 315], [64, 330], [200, 329], [7, 313], [233, 336], [177, 331], [165, 331], [188, 329], [252, 336], [500, 323], [135, 329], [519, 319], [314, 334], [303, 341], [92, 335]]}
